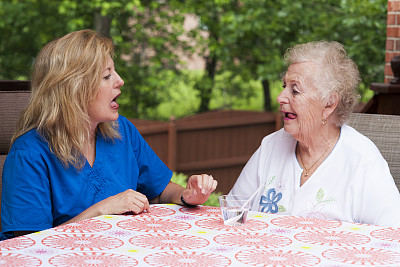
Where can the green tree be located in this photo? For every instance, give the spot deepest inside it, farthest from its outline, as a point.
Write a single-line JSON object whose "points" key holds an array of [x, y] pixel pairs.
{"points": [[146, 34], [211, 47], [248, 38], [245, 40], [25, 26]]}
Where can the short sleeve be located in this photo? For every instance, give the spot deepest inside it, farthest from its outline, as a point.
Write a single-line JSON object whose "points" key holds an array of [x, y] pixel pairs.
{"points": [[154, 175], [26, 198], [247, 180], [380, 199]]}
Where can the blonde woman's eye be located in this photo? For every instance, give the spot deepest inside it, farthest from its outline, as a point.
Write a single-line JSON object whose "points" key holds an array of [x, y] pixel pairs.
{"points": [[107, 77]]}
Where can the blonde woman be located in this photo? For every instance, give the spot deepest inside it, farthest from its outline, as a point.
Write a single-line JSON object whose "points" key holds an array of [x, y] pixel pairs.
{"points": [[73, 156], [317, 166]]}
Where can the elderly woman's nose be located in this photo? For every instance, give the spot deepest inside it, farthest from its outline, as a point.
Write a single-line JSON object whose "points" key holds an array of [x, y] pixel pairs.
{"points": [[282, 98]]}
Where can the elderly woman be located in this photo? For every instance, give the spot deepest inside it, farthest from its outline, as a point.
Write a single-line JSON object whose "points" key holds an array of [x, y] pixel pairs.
{"points": [[73, 156], [317, 166]]}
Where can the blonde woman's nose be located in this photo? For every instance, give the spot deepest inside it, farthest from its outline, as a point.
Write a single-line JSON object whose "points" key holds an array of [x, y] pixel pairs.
{"points": [[119, 81]]}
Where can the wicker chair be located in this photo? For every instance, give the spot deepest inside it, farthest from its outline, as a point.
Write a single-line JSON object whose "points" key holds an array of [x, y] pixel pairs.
{"points": [[384, 131], [14, 97]]}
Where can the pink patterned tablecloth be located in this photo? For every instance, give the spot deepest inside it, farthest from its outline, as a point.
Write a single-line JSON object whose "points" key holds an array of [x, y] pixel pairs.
{"points": [[171, 235]]}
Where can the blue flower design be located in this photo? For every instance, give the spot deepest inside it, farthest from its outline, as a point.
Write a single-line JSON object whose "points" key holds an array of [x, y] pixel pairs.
{"points": [[269, 202]]}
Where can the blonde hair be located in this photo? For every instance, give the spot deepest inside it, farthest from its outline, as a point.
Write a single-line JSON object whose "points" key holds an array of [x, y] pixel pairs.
{"points": [[336, 73], [65, 80]]}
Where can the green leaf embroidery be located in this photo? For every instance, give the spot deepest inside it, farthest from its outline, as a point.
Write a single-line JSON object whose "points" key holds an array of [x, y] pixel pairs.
{"points": [[320, 195], [270, 180], [327, 200], [281, 208]]}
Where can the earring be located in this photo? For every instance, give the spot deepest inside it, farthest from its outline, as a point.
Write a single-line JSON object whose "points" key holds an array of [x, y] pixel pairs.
{"points": [[323, 121]]}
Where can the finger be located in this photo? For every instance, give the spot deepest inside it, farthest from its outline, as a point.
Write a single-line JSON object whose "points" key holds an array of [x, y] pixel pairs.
{"points": [[202, 183], [192, 182], [207, 181], [138, 206], [138, 202], [209, 184], [140, 197], [215, 184], [147, 206]]}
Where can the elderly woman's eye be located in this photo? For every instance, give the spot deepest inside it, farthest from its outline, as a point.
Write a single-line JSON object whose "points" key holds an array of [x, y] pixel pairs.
{"points": [[295, 91]]}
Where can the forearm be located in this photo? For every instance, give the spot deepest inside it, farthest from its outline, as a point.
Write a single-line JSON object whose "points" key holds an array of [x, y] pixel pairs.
{"points": [[171, 194], [90, 212]]}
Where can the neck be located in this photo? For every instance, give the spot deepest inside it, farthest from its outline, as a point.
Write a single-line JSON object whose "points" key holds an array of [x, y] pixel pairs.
{"points": [[90, 149], [316, 144], [311, 155]]}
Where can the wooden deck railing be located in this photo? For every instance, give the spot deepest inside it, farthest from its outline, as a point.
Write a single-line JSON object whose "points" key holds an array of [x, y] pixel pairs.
{"points": [[218, 143]]}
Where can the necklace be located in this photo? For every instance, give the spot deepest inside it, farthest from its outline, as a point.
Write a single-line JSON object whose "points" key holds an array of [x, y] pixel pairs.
{"points": [[304, 166]]}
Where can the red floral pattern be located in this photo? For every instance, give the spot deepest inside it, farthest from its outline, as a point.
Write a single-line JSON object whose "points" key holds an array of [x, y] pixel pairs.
{"points": [[389, 234], [218, 225], [172, 235], [169, 241], [154, 225], [294, 222], [86, 226], [202, 211], [158, 211], [17, 260], [91, 259], [362, 256], [84, 242], [16, 243], [262, 257], [253, 240], [176, 259], [332, 238]]}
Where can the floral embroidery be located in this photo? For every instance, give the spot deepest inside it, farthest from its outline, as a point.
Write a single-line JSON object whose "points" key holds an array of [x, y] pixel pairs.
{"points": [[269, 202], [270, 181], [314, 209]]}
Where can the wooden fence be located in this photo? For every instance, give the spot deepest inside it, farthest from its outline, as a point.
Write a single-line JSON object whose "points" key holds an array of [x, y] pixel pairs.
{"points": [[218, 142]]}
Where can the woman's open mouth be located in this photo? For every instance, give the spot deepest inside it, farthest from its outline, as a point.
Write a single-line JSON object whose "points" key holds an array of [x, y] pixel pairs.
{"points": [[289, 116], [114, 104]]}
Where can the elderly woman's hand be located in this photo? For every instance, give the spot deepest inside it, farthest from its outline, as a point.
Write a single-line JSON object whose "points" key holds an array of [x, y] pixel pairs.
{"points": [[198, 189]]}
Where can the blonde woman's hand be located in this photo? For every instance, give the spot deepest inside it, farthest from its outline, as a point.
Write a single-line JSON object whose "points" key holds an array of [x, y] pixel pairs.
{"points": [[199, 188], [129, 201]]}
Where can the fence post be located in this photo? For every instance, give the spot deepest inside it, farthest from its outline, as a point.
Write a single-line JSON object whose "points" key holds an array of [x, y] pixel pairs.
{"points": [[172, 144], [278, 121]]}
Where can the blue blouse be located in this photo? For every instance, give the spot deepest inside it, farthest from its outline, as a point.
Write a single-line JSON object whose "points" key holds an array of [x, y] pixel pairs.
{"points": [[40, 193]]}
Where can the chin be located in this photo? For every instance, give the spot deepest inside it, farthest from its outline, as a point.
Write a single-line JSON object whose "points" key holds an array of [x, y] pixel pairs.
{"points": [[115, 117], [290, 130], [112, 117]]}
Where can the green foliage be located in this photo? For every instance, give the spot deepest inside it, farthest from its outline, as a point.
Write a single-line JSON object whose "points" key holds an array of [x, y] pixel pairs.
{"points": [[242, 41], [182, 99], [248, 38], [25, 26], [181, 179]]}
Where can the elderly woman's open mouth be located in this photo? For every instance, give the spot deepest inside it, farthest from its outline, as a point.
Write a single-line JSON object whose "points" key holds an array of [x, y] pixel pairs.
{"points": [[289, 115]]}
